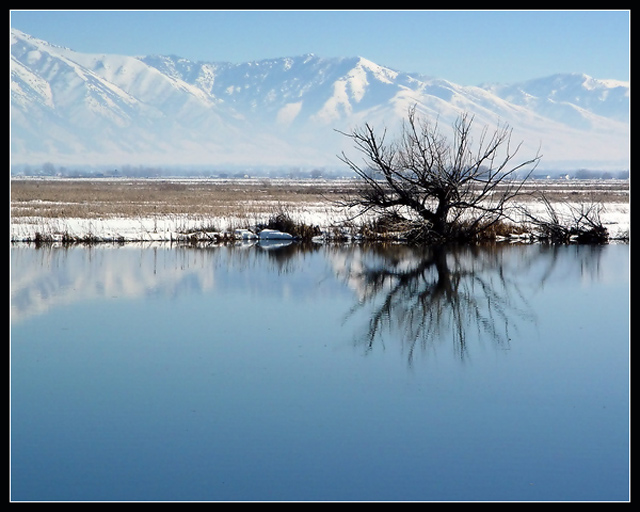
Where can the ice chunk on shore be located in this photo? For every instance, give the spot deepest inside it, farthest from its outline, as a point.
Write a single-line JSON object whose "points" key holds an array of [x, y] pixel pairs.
{"points": [[274, 234], [245, 234]]}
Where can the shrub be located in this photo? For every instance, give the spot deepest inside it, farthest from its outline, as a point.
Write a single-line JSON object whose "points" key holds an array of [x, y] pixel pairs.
{"points": [[283, 221]]}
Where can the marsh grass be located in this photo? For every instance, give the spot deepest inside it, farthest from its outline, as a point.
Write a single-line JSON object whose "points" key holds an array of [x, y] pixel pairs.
{"points": [[214, 209], [283, 220], [87, 198], [581, 222]]}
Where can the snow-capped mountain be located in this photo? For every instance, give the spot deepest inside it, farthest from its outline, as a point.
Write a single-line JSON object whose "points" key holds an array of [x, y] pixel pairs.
{"points": [[99, 109]]}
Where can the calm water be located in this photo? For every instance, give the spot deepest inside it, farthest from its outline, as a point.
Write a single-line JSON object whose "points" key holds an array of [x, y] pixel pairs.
{"points": [[332, 373]]}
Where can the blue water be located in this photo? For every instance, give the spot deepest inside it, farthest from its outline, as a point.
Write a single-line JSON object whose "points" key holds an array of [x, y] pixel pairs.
{"points": [[328, 373]]}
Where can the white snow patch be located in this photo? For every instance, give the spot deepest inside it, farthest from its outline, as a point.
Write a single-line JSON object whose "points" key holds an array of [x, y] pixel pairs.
{"points": [[288, 113], [274, 234]]}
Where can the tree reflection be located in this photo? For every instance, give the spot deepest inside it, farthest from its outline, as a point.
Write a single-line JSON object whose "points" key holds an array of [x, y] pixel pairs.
{"points": [[426, 296]]}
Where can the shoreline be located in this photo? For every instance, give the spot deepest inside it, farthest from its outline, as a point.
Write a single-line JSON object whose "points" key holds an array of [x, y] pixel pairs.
{"points": [[196, 210]]}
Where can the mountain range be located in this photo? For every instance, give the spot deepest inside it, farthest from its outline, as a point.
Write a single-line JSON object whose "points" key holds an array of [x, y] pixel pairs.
{"points": [[72, 108]]}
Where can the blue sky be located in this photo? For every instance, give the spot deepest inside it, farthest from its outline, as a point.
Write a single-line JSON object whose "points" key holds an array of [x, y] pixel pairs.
{"points": [[466, 47]]}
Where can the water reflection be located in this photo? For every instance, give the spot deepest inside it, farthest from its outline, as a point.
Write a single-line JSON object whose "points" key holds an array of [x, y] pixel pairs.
{"points": [[423, 297], [230, 373], [419, 297], [431, 295]]}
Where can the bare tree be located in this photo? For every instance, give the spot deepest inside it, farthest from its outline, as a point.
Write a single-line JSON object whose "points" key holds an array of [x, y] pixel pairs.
{"points": [[442, 190]]}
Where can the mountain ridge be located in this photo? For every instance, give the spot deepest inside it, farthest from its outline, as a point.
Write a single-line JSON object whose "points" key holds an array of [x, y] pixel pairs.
{"points": [[69, 107]]}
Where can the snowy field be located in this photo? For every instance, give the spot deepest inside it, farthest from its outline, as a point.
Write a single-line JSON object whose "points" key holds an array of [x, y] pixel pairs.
{"points": [[175, 209]]}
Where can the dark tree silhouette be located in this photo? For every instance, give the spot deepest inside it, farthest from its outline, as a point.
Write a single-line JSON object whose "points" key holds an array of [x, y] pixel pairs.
{"points": [[438, 189], [422, 296]]}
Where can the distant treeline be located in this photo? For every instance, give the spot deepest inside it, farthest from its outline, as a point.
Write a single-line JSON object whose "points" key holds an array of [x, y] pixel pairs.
{"points": [[584, 174], [128, 171]]}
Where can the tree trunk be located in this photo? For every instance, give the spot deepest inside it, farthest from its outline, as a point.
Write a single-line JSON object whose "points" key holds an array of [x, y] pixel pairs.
{"points": [[440, 218]]}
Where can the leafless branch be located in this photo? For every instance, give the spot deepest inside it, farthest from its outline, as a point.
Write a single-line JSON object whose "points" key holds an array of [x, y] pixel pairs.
{"points": [[453, 190]]}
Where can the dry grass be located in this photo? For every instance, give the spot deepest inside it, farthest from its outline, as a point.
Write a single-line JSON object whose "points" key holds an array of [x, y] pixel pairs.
{"points": [[219, 205], [89, 198], [601, 191], [84, 198]]}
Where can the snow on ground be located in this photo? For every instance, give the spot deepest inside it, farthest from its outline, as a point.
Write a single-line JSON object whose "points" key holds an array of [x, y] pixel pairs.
{"points": [[168, 228], [615, 216]]}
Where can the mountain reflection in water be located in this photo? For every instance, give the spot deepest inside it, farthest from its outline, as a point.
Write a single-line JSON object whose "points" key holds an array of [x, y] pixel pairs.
{"points": [[421, 297]]}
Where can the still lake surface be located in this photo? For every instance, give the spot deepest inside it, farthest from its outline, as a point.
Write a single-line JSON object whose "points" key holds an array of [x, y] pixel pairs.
{"points": [[321, 373]]}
